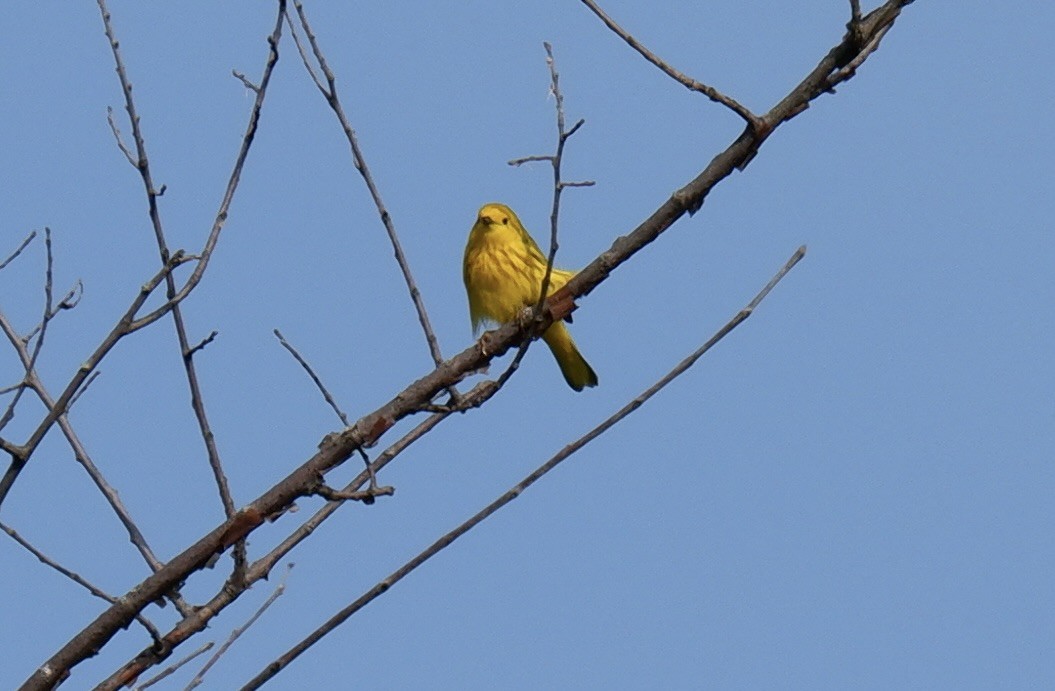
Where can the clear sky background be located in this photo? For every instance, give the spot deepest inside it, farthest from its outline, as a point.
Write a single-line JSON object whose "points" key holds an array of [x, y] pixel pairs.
{"points": [[854, 490]]}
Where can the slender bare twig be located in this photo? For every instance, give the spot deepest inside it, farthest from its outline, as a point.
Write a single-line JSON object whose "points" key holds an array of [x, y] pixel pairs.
{"points": [[133, 160], [442, 543], [337, 448], [559, 184], [18, 250], [175, 667], [329, 92], [245, 81], [314, 377], [141, 162], [238, 631], [49, 266], [76, 578], [752, 120]]}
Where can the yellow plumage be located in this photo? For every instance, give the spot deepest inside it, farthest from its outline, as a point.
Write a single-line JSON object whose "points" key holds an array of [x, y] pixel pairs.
{"points": [[503, 271]]}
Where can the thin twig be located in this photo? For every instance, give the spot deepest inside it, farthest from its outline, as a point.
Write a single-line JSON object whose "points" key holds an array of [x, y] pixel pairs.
{"points": [[49, 263], [555, 160], [329, 92], [175, 667], [855, 12], [314, 377], [117, 136], [439, 545], [202, 343], [77, 578], [277, 593], [752, 120], [245, 81], [141, 162], [18, 250]]}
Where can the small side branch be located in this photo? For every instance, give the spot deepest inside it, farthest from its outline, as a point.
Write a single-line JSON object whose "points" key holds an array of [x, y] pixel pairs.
{"points": [[314, 377], [559, 185], [76, 578], [14, 255], [141, 162], [329, 92], [756, 123]]}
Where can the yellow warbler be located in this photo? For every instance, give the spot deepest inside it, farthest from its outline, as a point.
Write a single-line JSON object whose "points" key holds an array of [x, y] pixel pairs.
{"points": [[503, 271]]}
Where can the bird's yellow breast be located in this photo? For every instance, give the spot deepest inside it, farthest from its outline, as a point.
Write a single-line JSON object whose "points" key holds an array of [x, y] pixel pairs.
{"points": [[499, 276]]}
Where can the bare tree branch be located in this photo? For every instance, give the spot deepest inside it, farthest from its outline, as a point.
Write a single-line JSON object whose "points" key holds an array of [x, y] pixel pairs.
{"points": [[439, 545], [9, 414], [261, 568]]}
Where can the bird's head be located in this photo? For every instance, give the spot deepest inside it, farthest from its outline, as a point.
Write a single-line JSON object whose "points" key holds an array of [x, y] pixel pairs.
{"points": [[496, 215]]}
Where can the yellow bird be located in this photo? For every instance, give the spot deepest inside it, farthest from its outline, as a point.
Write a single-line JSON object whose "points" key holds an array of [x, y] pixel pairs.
{"points": [[503, 271]]}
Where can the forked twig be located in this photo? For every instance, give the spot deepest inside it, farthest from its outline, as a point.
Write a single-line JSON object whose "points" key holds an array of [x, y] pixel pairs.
{"points": [[559, 184], [439, 545]]}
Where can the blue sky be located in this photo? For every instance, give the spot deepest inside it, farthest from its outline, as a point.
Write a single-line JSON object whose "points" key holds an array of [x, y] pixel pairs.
{"points": [[852, 490]]}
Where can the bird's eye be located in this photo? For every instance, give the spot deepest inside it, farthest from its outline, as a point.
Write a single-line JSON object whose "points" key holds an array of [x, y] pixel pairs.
{"points": [[505, 220]]}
